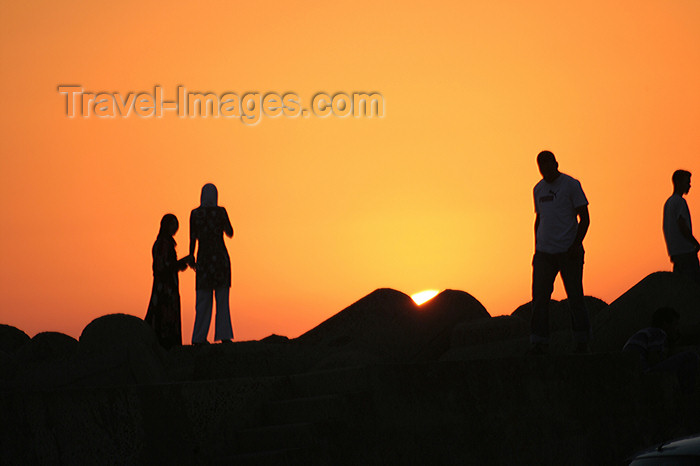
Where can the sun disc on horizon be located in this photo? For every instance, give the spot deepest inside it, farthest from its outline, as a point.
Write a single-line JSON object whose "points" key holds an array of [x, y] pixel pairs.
{"points": [[424, 296]]}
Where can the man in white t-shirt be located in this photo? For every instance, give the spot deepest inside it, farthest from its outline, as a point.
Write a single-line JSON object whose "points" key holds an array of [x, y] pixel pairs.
{"points": [[678, 229], [561, 223]]}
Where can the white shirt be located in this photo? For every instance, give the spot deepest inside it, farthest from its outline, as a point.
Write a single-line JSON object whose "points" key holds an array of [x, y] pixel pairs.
{"points": [[556, 204], [675, 208]]}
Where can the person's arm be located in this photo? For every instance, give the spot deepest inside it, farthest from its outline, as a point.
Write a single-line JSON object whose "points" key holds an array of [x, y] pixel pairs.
{"points": [[164, 259], [537, 213], [228, 229], [583, 224], [183, 263], [687, 234], [193, 241]]}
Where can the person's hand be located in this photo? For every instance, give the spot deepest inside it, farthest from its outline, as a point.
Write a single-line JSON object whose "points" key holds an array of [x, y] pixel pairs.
{"points": [[183, 263]]}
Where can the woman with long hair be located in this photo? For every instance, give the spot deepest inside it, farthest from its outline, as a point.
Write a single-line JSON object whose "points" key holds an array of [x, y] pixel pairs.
{"points": [[208, 224], [164, 307]]}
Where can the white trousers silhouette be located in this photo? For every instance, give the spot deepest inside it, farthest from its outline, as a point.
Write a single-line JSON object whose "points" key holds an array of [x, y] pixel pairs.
{"points": [[202, 319]]}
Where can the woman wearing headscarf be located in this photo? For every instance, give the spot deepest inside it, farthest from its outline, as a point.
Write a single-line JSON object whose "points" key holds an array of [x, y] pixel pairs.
{"points": [[208, 223], [164, 307]]}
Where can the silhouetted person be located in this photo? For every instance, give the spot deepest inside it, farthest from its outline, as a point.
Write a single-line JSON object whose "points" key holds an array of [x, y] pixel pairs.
{"points": [[678, 229], [164, 307], [559, 205], [653, 343], [208, 223]]}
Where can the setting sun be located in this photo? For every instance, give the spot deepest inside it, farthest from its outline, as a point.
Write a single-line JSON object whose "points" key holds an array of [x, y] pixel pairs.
{"points": [[434, 188], [424, 296]]}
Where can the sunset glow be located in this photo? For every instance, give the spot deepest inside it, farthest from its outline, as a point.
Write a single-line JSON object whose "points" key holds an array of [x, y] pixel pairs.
{"points": [[327, 206], [424, 296]]}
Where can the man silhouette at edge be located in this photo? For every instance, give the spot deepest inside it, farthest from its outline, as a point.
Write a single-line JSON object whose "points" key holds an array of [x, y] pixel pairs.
{"points": [[678, 230]]}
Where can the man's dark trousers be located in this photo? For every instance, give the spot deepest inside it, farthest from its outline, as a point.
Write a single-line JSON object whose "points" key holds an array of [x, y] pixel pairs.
{"points": [[544, 271]]}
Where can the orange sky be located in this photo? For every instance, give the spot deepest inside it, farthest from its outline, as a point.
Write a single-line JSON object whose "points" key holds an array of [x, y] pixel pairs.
{"points": [[436, 194]]}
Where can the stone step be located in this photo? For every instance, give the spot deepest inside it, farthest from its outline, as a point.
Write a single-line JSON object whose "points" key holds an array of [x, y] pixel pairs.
{"points": [[286, 457], [332, 382], [315, 409], [277, 437]]}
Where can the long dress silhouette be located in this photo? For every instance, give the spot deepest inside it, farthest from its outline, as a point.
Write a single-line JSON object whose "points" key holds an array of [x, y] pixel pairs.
{"points": [[208, 224], [164, 307]]}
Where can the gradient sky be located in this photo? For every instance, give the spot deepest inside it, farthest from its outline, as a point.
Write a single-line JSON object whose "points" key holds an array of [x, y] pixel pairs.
{"points": [[436, 194]]}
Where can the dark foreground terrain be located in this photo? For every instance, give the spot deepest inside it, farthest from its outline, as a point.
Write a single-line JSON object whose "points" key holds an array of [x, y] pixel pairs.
{"points": [[381, 382]]}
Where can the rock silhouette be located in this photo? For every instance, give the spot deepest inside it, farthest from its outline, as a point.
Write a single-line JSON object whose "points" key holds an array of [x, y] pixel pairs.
{"points": [[491, 330], [11, 338], [388, 326], [632, 311], [504, 336], [114, 332], [113, 350], [382, 381], [560, 320], [496, 337], [560, 313], [47, 346], [127, 346]]}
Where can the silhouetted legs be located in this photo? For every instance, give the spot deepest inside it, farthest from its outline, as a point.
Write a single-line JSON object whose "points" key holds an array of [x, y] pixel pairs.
{"points": [[544, 271], [688, 265], [203, 307], [572, 276]]}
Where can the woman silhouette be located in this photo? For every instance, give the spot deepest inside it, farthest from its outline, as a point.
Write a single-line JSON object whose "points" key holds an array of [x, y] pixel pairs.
{"points": [[164, 308], [208, 223]]}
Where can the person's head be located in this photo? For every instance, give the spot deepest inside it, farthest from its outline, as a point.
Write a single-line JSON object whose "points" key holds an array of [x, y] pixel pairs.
{"points": [[548, 165], [681, 181], [210, 196], [666, 318], [168, 225]]}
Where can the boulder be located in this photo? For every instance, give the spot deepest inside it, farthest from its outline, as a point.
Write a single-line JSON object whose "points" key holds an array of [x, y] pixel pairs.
{"points": [[495, 337], [241, 359], [276, 339], [120, 349], [438, 318], [633, 310], [11, 338], [560, 313], [46, 362], [48, 346], [560, 337], [370, 322], [514, 347], [116, 331], [343, 359], [391, 327], [491, 330], [8, 368]]}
